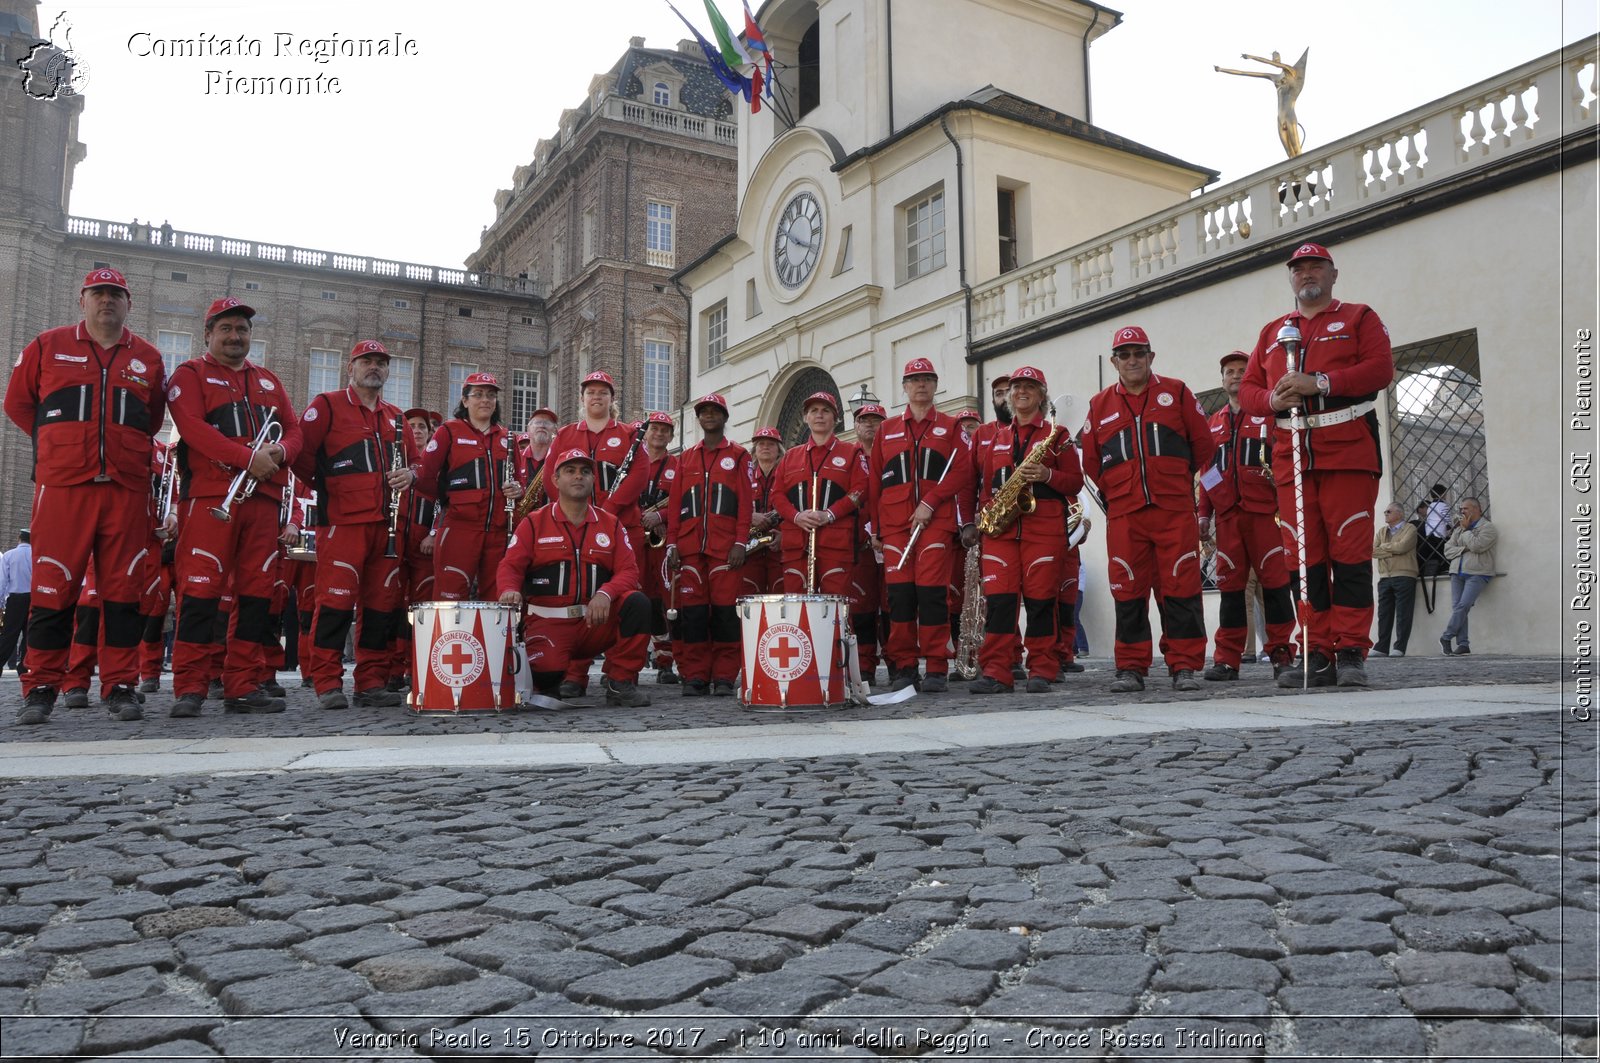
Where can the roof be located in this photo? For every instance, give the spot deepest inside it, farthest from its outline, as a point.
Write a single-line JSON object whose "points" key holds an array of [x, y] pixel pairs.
{"points": [[702, 94]]}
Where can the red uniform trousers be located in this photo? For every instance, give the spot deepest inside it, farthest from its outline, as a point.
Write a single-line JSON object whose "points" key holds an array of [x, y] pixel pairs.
{"points": [[153, 605], [303, 581], [1338, 566], [578, 667], [552, 642], [833, 570], [466, 557], [87, 638], [1023, 573], [919, 609], [351, 572], [1247, 541], [239, 555], [1067, 609], [71, 525], [652, 582], [866, 607], [1157, 549], [763, 571], [708, 641], [273, 648], [219, 643], [416, 577]]}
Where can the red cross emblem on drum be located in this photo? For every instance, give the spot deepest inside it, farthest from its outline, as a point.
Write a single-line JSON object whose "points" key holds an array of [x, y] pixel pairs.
{"points": [[457, 659], [784, 652]]}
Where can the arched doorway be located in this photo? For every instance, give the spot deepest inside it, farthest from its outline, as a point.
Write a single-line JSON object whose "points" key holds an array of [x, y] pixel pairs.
{"points": [[790, 421]]}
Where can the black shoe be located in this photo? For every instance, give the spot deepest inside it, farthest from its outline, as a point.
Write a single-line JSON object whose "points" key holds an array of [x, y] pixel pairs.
{"points": [[1183, 679], [722, 688], [988, 685], [1351, 669], [306, 683], [1038, 685], [1072, 666], [1018, 673], [569, 690], [628, 695], [377, 698], [666, 676], [1222, 673], [274, 689], [214, 691], [37, 708], [1463, 651], [1290, 676], [935, 683], [696, 688], [257, 701], [150, 686], [77, 698], [398, 684], [123, 703], [333, 699], [1444, 644], [1127, 682], [905, 677], [187, 706]]}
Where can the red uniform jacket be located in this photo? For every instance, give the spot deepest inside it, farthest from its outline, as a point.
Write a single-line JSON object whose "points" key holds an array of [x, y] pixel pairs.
{"points": [[1347, 342], [915, 462], [348, 453], [659, 476], [842, 476], [711, 501], [1143, 450], [1005, 449], [609, 448], [551, 561], [465, 470], [1240, 473], [90, 411], [218, 412]]}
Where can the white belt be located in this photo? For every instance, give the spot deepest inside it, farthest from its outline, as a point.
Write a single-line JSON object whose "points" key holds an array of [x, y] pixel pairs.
{"points": [[1332, 417], [557, 612]]}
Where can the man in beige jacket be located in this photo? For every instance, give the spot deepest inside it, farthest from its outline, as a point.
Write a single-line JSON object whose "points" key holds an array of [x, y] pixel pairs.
{"points": [[1394, 548], [1470, 550]]}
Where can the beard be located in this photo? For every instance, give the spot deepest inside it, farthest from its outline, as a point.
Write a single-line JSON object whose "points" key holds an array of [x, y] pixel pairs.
{"points": [[1309, 293], [1002, 413]]}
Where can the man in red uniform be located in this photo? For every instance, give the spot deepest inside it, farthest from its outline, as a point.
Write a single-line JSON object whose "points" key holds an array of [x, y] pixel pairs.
{"points": [[222, 404], [1342, 360], [763, 567], [418, 514], [359, 455], [542, 428], [1144, 439], [821, 488], [920, 468], [1022, 561], [467, 468], [707, 519], [651, 549], [866, 572], [1240, 504], [91, 396], [575, 568]]}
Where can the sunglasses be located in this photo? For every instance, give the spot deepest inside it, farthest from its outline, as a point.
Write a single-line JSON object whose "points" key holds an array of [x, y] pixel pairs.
{"points": [[1128, 352]]}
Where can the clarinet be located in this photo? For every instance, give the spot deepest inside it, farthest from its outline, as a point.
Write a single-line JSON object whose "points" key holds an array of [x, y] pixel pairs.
{"points": [[395, 465]]}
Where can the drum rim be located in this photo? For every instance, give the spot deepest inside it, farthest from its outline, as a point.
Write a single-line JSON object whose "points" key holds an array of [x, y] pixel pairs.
{"points": [[445, 604], [765, 598]]}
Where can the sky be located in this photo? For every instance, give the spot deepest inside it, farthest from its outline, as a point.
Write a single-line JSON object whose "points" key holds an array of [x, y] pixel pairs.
{"points": [[404, 161]]}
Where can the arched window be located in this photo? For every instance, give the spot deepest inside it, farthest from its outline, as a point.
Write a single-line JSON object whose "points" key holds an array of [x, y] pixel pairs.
{"points": [[661, 96], [791, 421], [810, 70]]}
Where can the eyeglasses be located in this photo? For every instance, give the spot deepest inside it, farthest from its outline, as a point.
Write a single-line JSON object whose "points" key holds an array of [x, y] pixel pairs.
{"points": [[482, 393], [1130, 352]]}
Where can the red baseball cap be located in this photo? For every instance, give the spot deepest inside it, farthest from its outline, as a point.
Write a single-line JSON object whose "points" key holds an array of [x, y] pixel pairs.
{"points": [[105, 277], [820, 396], [366, 347], [1129, 336], [575, 454], [1001, 379], [919, 367], [871, 409], [969, 414], [712, 399], [767, 433], [1232, 356], [597, 377], [228, 305], [545, 411], [1310, 251], [418, 411], [486, 380], [435, 418], [660, 417], [1029, 373]]}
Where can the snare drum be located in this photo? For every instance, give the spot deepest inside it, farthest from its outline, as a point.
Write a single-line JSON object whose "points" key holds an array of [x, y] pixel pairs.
{"points": [[795, 651], [462, 657]]}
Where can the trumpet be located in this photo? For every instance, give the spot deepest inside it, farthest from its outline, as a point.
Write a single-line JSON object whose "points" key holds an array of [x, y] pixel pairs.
{"points": [[655, 537], [168, 500], [244, 485]]}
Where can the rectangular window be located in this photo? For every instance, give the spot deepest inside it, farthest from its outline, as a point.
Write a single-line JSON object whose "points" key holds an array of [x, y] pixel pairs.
{"points": [[176, 348], [922, 235], [330, 296], [527, 319], [588, 236], [1006, 228], [398, 388], [463, 311], [657, 375], [558, 261], [659, 242], [716, 330], [459, 371], [402, 304], [179, 276], [327, 371], [524, 397], [252, 286]]}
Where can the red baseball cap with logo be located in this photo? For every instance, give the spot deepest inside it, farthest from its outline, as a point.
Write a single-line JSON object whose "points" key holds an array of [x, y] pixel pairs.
{"points": [[823, 397], [420, 413], [919, 367], [228, 305], [575, 454], [871, 409], [105, 277], [366, 347], [1310, 251], [1003, 378], [598, 377], [545, 411], [969, 414], [477, 380], [1232, 356], [712, 399], [435, 418], [1030, 374], [660, 417], [767, 433], [1129, 336]]}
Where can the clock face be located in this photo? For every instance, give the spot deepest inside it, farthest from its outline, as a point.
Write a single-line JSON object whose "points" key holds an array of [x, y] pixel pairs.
{"points": [[797, 242]]}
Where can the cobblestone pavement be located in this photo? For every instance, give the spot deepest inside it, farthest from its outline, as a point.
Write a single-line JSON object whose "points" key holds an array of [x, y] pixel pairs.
{"points": [[1376, 891], [1390, 678]]}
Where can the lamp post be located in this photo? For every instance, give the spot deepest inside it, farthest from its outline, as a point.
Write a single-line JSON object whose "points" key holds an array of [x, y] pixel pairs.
{"points": [[863, 398]]}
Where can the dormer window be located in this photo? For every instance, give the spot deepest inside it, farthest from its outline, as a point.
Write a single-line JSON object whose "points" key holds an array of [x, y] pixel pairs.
{"points": [[661, 96]]}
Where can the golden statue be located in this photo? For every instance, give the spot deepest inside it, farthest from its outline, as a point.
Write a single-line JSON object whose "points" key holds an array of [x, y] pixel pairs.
{"points": [[1289, 81]]}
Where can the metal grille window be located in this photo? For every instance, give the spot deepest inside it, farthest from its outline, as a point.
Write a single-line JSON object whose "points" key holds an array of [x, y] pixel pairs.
{"points": [[327, 371], [176, 348], [398, 388], [791, 418], [525, 387], [1436, 433], [657, 375]]}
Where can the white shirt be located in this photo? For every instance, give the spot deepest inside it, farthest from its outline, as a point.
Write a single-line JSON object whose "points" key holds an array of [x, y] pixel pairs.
{"points": [[1438, 523], [16, 570]]}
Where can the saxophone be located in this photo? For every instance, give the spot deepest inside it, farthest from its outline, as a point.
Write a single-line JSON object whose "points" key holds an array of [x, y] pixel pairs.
{"points": [[531, 498], [1015, 496], [973, 609]]}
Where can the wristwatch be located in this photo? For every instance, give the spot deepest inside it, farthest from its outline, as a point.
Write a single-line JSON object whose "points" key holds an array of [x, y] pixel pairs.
{"points": [[1322, 383]]}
